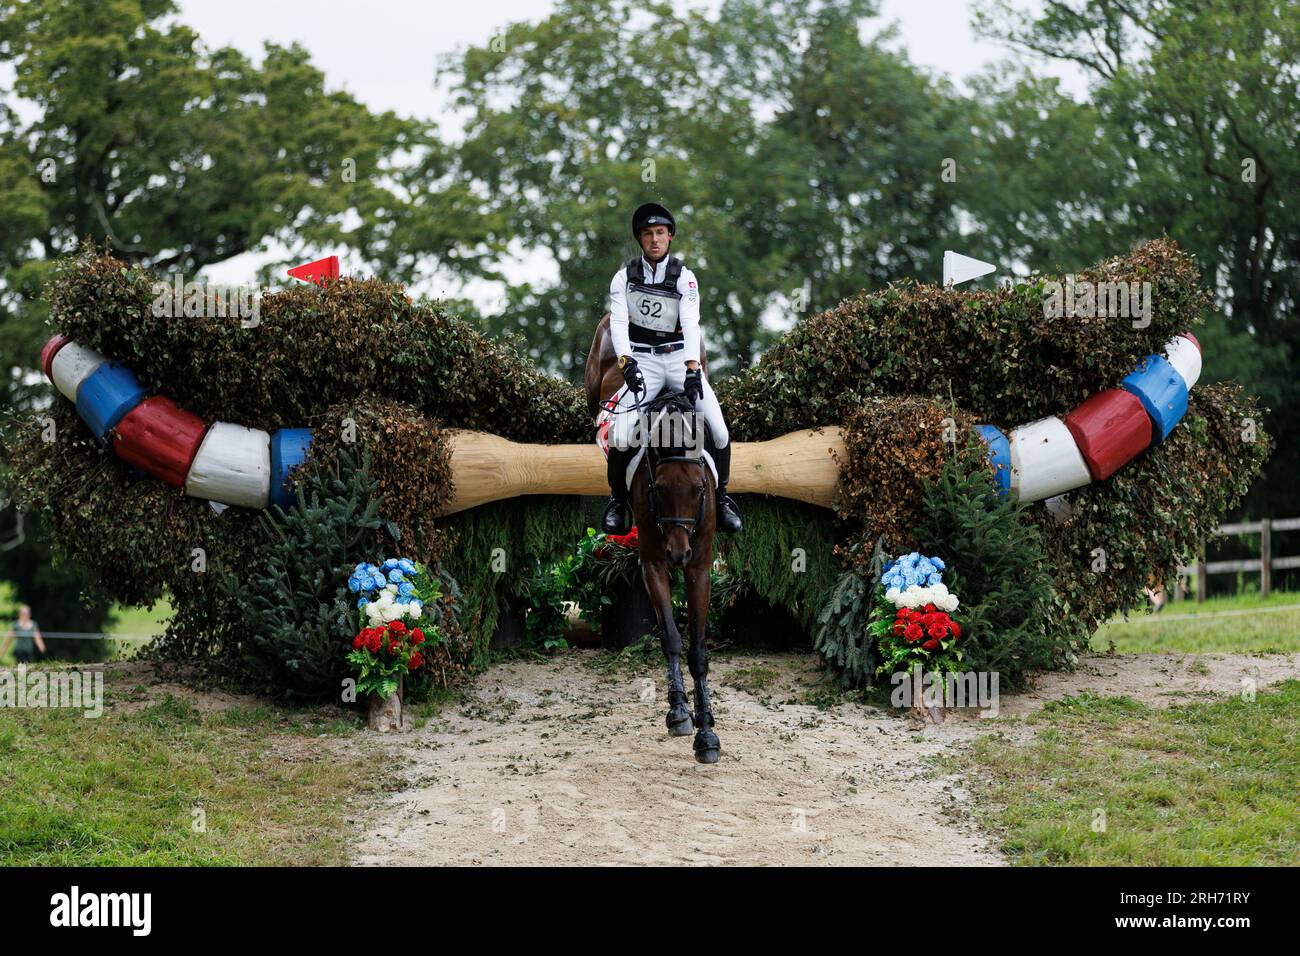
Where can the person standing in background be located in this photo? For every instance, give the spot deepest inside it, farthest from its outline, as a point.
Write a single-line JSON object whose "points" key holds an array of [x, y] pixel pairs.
{"points": [[25, 634]]}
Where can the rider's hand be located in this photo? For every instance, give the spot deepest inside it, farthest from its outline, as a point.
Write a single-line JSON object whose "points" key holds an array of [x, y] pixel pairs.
{"points": [[632, 375], [694, 384]]}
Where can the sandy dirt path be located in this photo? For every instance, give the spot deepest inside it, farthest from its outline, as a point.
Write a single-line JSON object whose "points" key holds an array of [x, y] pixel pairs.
{"points": [[561, 762]]}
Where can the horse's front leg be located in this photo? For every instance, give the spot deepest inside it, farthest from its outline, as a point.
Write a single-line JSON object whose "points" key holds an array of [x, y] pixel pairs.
{"points": [[698, 591], [658, 586]]}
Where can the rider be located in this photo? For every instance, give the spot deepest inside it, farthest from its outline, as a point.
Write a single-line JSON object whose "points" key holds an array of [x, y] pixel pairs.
{"points": [[654, 322]]}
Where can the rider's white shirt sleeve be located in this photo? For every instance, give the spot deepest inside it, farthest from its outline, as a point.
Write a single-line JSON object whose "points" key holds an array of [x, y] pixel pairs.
{"points": [[689, 288], [618, 313]]}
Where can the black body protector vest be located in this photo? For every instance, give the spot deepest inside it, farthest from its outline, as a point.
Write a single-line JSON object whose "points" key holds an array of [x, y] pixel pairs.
{"points": [[653, 310]]}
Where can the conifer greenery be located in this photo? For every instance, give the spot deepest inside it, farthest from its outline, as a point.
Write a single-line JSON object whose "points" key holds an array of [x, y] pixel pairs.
{"points": [[997, 567], [294, 603]]}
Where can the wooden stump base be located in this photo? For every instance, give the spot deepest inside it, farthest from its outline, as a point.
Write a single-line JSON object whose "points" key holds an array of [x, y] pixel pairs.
{"points": [[385, 713]]}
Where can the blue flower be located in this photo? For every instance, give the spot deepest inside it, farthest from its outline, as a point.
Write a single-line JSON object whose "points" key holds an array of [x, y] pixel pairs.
{"points": [[938, 563], [407, 565], [405, 589], [390, 564], [362, 602], [377, 580], [395, 576], [934, 578]]}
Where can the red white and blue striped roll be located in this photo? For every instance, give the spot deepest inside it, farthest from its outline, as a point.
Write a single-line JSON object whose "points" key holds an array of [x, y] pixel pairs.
{"points": [[72, 365], [233, 466], [107, 394]]}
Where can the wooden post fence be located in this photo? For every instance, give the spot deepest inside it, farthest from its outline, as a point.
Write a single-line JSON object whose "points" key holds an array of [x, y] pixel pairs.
{"points": [[1265, 564]]}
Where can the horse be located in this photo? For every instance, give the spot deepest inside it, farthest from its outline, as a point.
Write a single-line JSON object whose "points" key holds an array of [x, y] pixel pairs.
{"points": [[676, 491]]}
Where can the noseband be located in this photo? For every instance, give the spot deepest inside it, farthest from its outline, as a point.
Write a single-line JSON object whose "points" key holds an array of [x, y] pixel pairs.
{"points": [[653, 461]]}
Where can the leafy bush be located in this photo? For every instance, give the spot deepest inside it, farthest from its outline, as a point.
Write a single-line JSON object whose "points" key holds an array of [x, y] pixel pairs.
{"points": [[295, 606], [997, 567]]}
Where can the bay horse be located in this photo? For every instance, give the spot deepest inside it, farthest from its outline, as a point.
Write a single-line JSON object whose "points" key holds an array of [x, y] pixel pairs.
{"points": [[676, 491]]}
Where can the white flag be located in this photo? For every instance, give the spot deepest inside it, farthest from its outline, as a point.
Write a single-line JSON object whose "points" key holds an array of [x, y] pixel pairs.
{"points": [[958, 268]]}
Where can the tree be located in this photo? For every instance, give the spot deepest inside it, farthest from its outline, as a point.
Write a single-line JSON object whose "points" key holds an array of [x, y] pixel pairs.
{"points": [[179, 157], [796, 155], [1203, 100]]}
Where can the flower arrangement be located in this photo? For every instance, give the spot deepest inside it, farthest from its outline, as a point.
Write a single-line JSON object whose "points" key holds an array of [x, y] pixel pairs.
{"points": [[387, 592], [391, 597], [628, 541], [384, 655], [911, 617]]}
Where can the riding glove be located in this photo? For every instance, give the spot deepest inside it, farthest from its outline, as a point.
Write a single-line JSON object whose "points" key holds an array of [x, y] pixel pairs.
{"points": [[632, 375], [694, 384]]}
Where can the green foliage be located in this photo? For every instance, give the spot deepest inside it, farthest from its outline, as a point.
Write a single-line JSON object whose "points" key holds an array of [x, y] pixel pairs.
{"points": [[785, 555], [996, 355], [295, 606], [1190, 124], [843, 637], [997, 568], [497, 549], [767, 180]]}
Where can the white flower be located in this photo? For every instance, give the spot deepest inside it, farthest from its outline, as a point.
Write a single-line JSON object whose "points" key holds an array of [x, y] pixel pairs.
{"points": [[892, 595], [948, 603]]}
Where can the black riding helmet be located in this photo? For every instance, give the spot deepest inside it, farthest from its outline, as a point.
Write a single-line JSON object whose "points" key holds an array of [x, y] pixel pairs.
{"points": [[652, 214]]}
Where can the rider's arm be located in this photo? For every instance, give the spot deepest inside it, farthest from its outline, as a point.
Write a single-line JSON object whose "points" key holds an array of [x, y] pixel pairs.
{"points": [[689, 288], [618, 313]]}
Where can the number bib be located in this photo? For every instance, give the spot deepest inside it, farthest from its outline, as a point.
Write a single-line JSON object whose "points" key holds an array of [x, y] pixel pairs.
{"points": [[652, 309]]}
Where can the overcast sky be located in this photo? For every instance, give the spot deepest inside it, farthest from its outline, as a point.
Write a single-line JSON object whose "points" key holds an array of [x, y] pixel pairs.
{"points": [[383, 51]]}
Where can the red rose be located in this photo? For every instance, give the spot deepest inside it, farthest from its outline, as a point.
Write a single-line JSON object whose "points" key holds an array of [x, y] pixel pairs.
{"points": [[937, 630], [912, 632], [931, 644], [397, 626], [929, 608], [899, 626], [956, 629], [416, 660], [417, 636], [357, 642]]}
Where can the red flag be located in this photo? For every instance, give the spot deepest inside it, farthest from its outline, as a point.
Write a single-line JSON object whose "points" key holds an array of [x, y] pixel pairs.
{"points": [[318, 271]]}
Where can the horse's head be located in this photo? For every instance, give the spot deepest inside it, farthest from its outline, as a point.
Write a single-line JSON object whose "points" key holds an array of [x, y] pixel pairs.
{"points": [[681, 483]]}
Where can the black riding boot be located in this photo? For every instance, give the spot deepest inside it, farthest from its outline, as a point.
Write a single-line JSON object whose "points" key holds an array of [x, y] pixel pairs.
{"points": [[618, 513], [728, 511]]}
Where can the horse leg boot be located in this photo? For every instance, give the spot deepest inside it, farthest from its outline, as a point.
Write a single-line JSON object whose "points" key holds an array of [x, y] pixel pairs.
{"points": [[657, 585], [728, 512], [707, 745], [618, 513]]}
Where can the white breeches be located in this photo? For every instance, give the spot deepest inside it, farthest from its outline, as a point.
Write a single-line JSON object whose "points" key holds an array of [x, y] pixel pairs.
{"points": [[658, 370]]}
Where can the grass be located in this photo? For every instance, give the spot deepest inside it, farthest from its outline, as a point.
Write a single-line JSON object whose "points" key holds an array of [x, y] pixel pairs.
{"points": [[1223, 625], [132, 788], [1108, 781]]}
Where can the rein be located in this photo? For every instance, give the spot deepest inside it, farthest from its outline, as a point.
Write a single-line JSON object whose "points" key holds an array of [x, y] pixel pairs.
{"points": [[652, 462]]}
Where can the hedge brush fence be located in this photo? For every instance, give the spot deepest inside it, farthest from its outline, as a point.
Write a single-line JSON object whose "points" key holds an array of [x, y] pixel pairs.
{"points": [[941, 420]]}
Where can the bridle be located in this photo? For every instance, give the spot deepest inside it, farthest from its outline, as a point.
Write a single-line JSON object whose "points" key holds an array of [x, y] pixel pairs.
{"points": [[652, 462]]}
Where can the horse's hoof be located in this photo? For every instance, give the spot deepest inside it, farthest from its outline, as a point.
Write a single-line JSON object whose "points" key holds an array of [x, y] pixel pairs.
{"points": [[707, 747], [679, 725]]}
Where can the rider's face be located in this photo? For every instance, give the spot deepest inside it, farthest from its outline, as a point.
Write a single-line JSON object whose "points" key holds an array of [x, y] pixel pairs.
{"points": [[654, 241]]}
